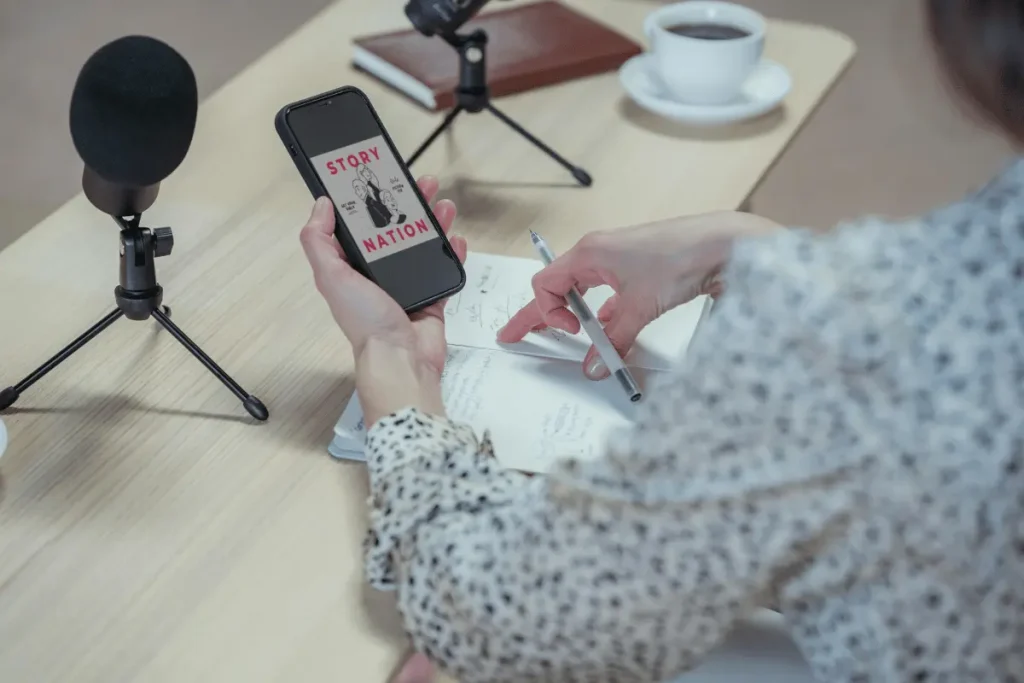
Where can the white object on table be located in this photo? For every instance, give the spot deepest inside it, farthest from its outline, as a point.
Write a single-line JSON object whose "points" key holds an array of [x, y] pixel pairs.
{"points": [[759, 650], [762, 92], [700, 71], [3, 438], [559, 413]]}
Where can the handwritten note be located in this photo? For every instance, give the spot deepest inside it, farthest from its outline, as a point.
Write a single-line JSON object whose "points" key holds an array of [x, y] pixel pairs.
{"points": [[499, 286], [536, 410], [534, 402]]}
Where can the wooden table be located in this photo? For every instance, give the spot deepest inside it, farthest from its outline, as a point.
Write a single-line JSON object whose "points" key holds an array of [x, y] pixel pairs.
{"points": [[148, 530]]}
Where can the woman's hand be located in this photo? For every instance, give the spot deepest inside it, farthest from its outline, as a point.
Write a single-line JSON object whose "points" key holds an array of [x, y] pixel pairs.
{"points": [[391, 349], [416, 669], [652, 268]]}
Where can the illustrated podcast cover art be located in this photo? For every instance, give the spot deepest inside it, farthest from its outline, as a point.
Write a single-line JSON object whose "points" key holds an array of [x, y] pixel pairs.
{"points": [[372, 195]]}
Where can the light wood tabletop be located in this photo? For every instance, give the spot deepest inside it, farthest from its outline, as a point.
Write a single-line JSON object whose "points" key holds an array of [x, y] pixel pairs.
{"points": [[149, 530]]}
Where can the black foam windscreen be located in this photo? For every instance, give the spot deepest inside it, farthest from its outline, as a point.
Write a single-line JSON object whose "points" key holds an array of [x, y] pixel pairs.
{"points": [[133, 111]]}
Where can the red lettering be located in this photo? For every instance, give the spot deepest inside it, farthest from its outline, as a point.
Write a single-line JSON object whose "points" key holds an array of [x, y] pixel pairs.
{"points": [[369, 245], [381, 243], [353, 160], [421, 225], [409, 230], [391, 234]]}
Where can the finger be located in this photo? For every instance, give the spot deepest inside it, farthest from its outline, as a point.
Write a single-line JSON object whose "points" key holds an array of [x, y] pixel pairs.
{"points": [[607, 311], [429, 186], [713, 287], [622, 331], [321, 219], [521, 324], [459, 246], [416, 669], [552, 284], [445, 212], [317, 237], [529, 319]]}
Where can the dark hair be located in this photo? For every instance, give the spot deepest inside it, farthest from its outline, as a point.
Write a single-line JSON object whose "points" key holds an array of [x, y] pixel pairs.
{"points": [[981, 46]]}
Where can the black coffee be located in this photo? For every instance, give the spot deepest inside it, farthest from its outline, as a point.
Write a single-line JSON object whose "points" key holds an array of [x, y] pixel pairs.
{"points": [[708, 31]]}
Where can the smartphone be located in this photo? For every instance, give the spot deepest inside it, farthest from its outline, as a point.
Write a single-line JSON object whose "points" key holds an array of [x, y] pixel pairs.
{"points": [[385, 227]]}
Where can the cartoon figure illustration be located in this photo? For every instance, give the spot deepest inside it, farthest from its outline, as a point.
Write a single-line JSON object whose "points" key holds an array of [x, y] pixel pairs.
{"points": [[370, 178], [392, 204], [360, 189], [379, 213]]}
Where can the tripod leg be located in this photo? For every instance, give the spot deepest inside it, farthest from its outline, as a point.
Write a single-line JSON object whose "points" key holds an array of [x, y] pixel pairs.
{"points": [[252, 404], [448, 120], [9, 395], [581, 176]]}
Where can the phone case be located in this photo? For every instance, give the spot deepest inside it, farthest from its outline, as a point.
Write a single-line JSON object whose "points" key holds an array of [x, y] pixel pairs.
{"points": [[317, 189]]}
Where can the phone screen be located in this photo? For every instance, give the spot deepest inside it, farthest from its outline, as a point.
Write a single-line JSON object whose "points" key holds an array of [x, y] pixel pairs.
{"points": [[396, 235]]}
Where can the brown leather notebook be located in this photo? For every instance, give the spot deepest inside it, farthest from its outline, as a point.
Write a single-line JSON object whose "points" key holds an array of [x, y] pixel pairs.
{"points": [[530, 46]]}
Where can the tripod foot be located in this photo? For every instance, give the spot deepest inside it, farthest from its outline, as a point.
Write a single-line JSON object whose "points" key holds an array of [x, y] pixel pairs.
{"points": [[255, 407], [7, 397], [582, 177]]}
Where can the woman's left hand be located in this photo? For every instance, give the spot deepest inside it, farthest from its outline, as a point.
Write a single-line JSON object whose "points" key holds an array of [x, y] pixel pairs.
{"points": [[392, 350], [363, 310]]}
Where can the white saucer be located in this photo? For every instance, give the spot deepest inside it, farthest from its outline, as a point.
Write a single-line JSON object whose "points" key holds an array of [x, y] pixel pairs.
{"points": [[763, 91]]}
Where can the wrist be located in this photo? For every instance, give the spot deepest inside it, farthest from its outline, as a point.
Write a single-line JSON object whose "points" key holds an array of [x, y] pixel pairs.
{"points": [[736, 225], [752, 225], [706, 246], [391, 376]]}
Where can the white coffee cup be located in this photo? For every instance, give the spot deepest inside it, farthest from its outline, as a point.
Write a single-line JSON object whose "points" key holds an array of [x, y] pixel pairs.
{"points": [[698, 70]]}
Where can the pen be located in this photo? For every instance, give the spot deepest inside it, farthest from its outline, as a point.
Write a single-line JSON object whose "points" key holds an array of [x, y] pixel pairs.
{"points": [[592, 326]]}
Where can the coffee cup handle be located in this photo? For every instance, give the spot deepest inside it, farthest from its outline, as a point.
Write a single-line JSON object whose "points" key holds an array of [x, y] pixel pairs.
{"points": [[650, 23]]}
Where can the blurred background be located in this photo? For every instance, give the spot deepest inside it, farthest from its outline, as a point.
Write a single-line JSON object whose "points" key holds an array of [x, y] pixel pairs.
{"points": [[887, 141]]}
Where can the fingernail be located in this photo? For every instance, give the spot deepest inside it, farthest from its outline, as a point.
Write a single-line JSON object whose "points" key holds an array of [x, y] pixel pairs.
{"points": [[596, 369], [320, 204]]}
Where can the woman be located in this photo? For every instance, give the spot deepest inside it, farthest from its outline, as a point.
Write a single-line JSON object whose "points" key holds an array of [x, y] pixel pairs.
{"points": [[844, 441]]}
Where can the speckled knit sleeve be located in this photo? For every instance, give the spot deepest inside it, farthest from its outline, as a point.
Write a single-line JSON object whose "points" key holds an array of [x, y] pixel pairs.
{"points": [[817, 450]]}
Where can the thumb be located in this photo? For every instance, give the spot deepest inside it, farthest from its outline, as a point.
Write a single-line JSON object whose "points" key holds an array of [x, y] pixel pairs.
{"points": [[417, 669], [321, 218], [622, 331], [323, 251]]}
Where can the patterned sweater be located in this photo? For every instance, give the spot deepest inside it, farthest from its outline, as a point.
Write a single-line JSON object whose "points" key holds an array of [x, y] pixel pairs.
{"points": [[844, 440]]}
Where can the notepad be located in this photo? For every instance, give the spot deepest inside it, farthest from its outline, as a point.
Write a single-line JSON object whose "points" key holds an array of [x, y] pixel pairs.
{"points": [[532, 397]]}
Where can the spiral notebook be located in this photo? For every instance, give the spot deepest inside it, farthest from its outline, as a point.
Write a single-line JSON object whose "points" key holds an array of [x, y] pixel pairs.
{"points": [[532, 397]]}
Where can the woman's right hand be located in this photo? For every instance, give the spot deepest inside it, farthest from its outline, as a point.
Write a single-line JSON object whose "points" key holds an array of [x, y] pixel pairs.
{"points": [[653, 268]]}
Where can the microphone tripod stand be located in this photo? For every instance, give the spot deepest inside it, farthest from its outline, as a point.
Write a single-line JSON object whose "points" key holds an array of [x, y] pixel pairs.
{"points": [[138, 297], [472, 96]]}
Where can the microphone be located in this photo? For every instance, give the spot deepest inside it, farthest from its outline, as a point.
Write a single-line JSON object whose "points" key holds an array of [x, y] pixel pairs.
{"points": [[133, 114]]}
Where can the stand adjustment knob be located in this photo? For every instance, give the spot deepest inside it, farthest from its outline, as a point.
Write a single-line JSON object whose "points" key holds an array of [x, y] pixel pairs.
{"points": [[163, 242]]}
